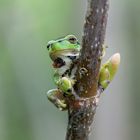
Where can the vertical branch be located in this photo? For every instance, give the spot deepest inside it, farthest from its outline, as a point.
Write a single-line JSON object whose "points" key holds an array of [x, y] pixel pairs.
{"points": [[81, 111], [93, 40]]}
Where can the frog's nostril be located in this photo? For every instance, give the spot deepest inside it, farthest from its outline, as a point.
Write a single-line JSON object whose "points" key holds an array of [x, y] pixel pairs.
{"points": [[48, 46]]}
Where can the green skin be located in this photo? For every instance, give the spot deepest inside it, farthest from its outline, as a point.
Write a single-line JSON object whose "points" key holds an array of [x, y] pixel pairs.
{"points": [[107, 72], [64, 52]]}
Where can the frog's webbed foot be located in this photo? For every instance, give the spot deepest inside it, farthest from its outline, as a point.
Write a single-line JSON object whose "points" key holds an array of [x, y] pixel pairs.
{"points": [[66, 86], [57, 98]]}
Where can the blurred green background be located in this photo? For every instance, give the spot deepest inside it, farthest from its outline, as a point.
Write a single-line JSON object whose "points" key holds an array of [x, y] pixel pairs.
{"points": [[26, 73]]}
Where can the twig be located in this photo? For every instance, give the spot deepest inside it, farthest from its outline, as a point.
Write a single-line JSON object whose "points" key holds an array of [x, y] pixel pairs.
{"points": [[81, 112]]}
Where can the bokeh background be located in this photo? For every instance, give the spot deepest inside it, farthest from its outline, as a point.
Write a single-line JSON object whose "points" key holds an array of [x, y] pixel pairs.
{"points": [[26, 74]]}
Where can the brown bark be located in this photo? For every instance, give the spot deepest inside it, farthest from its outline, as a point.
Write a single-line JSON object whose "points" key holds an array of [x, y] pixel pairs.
{"points": [[81, 111]]}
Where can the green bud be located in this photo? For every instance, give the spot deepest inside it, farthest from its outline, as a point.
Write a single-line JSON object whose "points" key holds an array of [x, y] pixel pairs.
{"points": [[108, 70]]}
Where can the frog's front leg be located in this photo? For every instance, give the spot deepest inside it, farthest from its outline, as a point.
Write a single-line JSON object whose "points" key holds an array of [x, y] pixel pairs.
{"points": [[57, 98], [66, 85]]}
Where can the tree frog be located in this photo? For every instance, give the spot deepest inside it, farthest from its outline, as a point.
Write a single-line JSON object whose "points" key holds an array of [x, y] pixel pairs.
{"points": [[64, 52]]}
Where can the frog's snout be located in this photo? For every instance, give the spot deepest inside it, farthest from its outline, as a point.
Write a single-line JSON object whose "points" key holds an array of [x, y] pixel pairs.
{"points": [[50, 44]]}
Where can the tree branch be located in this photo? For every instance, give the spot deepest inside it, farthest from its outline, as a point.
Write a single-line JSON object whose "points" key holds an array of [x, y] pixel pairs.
{"points": [[93, 40], [82, 110]]}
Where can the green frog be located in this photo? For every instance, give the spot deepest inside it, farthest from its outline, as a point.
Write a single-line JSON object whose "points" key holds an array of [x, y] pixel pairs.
{"points": [[64, 53]]}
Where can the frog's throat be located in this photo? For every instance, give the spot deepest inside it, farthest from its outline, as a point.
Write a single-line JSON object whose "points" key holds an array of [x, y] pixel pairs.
{"points": [[64, 52]]}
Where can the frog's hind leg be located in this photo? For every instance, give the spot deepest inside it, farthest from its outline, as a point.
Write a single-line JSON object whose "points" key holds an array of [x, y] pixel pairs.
{"points": [[57, 98]]}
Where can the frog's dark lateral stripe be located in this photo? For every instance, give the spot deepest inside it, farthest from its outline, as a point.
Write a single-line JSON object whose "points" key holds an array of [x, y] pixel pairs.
{"points": [[68, 71]]}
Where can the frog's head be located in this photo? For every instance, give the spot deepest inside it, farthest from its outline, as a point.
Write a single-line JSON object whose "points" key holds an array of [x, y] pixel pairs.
{"points": [[64, 47]]}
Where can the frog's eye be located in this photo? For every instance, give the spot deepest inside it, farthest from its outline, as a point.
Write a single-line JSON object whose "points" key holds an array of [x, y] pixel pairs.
{"points": [[72, 39]]}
